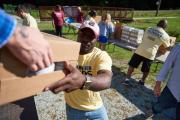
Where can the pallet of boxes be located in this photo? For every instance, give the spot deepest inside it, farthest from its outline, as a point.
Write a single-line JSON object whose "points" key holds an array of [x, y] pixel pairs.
{"points": [[132, 35], [162, 50], [17, 82]]}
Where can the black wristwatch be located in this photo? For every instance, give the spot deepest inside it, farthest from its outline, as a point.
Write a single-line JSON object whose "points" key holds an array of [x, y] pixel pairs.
{"points": [[87, 83]]}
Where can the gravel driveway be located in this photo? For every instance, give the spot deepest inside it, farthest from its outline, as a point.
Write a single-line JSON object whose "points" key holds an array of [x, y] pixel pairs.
{"points": [[122, 102]]}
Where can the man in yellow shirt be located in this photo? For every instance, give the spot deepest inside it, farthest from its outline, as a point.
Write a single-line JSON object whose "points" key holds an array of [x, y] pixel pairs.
{"points": [[28, 20], [83, 100], [153, 38]]}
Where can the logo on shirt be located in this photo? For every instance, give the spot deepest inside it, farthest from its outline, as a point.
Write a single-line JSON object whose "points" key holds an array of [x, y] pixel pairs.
{"points": [[86, 70], [154, 32]]}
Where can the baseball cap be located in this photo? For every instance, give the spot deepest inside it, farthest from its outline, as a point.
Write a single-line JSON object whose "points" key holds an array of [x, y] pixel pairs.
{"points": [[92, 25]]}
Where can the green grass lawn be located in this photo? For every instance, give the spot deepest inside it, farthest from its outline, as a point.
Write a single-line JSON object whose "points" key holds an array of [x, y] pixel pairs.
{"points": [[162, 13]]}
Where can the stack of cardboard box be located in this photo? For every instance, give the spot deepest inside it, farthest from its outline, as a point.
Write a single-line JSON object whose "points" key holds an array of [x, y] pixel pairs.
{"points": [[125, 33], [136, 36], [162, 50], [132, 35]]}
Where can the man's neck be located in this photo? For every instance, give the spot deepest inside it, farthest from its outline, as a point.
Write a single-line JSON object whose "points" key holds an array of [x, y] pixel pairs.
{"points": [[84, 53]]}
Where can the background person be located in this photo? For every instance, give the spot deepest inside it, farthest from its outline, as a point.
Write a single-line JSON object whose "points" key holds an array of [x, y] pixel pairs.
{"points": [[28, 20], [58, 19], [146, 51], [106, 29]]}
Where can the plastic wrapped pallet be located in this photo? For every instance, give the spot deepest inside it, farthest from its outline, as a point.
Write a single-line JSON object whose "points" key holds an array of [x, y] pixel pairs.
{"points": [[132, 35]]}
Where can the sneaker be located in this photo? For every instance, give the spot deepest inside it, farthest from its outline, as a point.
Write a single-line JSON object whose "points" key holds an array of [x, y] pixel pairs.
{"points": [[126, 82], [141, 82]]}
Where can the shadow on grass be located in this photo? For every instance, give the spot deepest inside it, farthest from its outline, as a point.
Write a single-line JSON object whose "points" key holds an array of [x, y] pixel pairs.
{"points": [[141, 96]]}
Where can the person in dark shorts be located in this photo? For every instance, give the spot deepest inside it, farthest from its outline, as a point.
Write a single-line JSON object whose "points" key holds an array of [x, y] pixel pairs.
{"points": [[137, 59], [146, 51]]}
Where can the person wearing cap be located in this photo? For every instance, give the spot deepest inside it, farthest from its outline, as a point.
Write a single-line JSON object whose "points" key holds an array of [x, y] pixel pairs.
{"points": [[92, 74], [153, 38]]}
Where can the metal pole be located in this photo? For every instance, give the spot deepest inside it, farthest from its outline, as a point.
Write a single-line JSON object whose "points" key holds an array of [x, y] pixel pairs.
{"points": [[158, 7]]}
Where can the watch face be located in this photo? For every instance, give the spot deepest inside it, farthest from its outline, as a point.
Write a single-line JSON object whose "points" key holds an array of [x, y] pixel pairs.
{"points": [[88, 82]]}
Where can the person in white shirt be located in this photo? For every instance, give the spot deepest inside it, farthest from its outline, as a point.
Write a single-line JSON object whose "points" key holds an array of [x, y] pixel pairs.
{"points": [[153, 38], [28, 20]]}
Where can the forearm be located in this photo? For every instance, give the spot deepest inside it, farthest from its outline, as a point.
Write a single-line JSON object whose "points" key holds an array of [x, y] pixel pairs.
{"points": [[157, 88], [101, 82]]}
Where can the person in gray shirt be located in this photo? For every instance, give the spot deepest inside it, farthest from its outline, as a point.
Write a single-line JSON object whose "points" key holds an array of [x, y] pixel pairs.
{"points": [[170, 96]]}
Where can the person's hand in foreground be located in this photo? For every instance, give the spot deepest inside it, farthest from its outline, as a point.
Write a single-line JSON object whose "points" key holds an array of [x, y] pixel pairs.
{"points": [[29, 46], [72, 81]]}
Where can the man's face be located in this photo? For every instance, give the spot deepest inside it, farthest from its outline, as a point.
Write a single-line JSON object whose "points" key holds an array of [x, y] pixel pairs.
{"points": [[87, 39]]}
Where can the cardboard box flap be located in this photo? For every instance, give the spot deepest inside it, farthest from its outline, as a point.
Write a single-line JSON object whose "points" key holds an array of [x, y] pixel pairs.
{"points": [[63, 49], [173, 40]]}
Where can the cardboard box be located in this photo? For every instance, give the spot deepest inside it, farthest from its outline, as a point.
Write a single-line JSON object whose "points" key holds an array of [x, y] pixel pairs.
{"points": [[14, 82], [162, 50], [118, 31], [173, 41]]}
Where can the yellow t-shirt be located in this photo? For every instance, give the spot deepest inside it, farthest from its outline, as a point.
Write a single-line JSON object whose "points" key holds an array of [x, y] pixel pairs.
{"points": [[89, 64], [152, 39], [30, 21]]}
